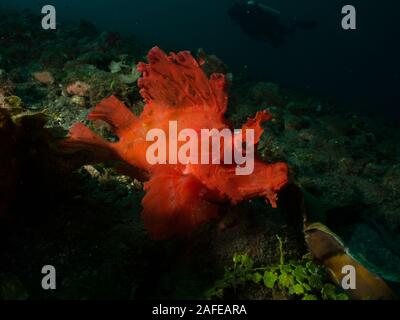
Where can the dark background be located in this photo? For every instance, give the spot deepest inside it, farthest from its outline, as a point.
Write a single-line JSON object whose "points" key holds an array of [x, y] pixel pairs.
{"points": [[360, 68]]}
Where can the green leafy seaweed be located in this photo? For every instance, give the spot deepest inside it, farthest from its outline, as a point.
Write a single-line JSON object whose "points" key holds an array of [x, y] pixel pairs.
{"points": [[303, 280]]}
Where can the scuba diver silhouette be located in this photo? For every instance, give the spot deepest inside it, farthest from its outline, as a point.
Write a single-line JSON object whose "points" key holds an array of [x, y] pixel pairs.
{"points": [[266, 24]]}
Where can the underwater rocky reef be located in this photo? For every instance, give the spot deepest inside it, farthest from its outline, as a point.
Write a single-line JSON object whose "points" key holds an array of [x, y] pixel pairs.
{"points": [[76, 211]]}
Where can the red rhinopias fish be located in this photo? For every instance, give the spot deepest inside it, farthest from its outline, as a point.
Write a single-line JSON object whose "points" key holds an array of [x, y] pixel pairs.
{"points": [[179, 197]]}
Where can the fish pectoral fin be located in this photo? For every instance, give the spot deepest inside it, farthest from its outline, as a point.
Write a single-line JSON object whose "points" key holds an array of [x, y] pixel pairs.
{"points": [[255, 124], [115, 113]]}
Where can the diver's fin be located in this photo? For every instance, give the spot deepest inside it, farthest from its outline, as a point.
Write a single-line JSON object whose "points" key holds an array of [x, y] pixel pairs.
{"points": [[115, 113], [269, 10], [306, 25], [177, 81]]}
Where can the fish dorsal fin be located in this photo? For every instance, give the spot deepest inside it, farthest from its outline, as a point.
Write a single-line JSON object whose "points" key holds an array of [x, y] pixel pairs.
{"points": [[177, 81]]}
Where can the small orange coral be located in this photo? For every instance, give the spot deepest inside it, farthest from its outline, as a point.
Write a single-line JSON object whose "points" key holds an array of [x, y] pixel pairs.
{"points": [[179, 197], [78, 88], [44, 77]]}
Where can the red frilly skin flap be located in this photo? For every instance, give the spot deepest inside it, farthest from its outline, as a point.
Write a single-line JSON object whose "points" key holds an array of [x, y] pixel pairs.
{"points": [[179, 198], [174, 204], [177, 81]]}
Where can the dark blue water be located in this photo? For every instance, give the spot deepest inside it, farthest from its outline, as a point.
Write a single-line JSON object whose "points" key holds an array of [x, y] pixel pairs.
{"points": [[361, 68]]}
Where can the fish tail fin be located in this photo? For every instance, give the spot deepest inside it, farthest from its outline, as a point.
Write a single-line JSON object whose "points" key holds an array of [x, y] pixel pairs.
{"points": [[82, 138]]}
